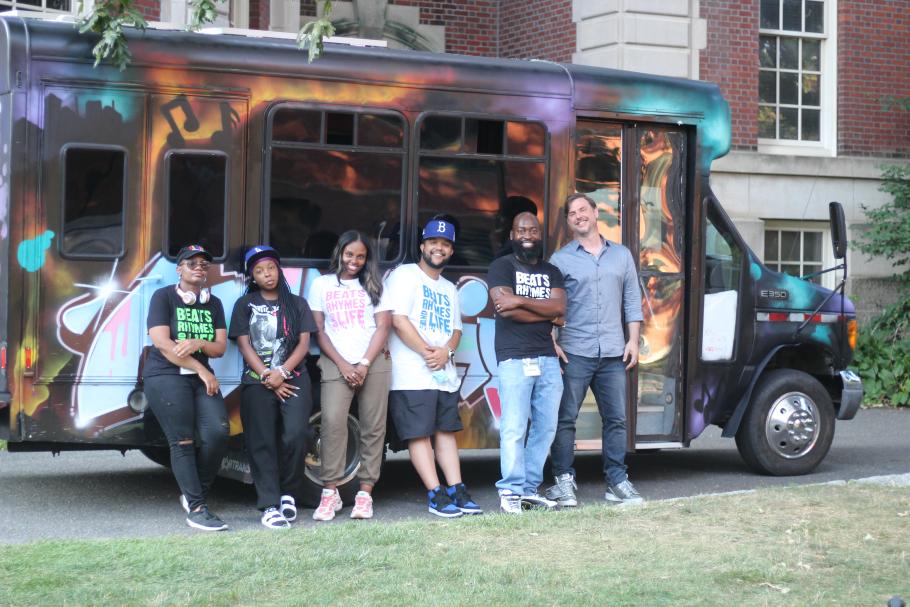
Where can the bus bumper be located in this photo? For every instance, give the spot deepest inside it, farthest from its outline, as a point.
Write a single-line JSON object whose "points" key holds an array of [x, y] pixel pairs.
{"points": [[851, 395]]}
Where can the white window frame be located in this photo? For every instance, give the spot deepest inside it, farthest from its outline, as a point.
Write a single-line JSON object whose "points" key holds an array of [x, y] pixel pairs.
{"points": [[822, 227], [827, 144], [18, 5]]}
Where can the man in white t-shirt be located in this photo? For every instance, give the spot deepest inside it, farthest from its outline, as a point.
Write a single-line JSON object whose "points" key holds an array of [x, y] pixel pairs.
{"points": [[423, 400]]}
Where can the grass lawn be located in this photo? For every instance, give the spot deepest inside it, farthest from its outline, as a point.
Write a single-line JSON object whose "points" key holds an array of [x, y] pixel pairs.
{"points": [[822, 545]]}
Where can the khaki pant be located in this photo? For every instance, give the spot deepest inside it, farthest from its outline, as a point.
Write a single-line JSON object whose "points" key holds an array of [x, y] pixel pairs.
{"points": [[372, 407]]}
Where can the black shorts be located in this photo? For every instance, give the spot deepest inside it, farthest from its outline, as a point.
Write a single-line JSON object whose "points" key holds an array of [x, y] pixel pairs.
{"points": [[421, 413]]}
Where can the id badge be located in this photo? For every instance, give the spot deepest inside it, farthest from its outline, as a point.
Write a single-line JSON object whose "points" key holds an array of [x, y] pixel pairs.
{"points": [[531, 367]]}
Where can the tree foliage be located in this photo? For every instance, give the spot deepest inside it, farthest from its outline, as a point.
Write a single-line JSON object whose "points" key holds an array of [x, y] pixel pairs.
{"points": [[107, 18], [883, 348]]}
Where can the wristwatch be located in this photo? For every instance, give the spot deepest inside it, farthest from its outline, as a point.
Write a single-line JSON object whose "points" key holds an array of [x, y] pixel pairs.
{"points": [[451, 354], [364, 361]]}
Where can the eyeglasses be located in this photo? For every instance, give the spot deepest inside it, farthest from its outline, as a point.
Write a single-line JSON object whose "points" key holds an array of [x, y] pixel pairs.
{"points": [[193, 265]]}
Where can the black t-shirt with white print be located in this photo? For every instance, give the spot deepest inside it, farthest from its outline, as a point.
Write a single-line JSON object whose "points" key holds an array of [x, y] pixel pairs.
{"points": [[523, 339], [198, 321], [259, 318]]}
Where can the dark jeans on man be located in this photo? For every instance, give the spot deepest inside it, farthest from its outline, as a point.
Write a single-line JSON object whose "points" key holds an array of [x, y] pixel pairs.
{"points": [[196, 427], [276, 435], [607, 379]]}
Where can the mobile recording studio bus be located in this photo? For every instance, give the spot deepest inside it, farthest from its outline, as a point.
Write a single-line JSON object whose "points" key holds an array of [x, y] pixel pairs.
{"points": [[105, 174]]}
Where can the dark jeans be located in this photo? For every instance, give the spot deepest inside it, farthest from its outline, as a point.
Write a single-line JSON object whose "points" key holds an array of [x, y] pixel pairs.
{"points": [[607, 379], [186, 413], [276, 434]]}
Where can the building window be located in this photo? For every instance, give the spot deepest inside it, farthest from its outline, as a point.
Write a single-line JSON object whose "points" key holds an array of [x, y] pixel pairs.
{"points": [[799, 249], [50, 6], [483, 172], [332, 170], [796, 73]]}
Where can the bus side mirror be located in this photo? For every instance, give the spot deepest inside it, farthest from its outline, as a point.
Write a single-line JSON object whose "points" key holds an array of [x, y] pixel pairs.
{"points": [[838, 229]]}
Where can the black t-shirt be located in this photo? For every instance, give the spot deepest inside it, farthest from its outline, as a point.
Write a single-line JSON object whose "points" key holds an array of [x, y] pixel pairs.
{"points": [[523, 339], [199, 321], [259, 318]]}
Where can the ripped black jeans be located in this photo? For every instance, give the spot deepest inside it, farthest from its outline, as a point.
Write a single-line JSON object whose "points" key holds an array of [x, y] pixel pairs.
{"points": [[196, 427]]}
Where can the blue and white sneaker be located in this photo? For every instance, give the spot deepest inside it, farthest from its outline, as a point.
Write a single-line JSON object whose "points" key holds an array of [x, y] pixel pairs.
{"points": [[440, 504], [462, 499]]}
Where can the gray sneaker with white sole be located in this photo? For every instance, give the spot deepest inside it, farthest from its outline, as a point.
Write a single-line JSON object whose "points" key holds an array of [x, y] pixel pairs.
{"points": [[624, 493]]}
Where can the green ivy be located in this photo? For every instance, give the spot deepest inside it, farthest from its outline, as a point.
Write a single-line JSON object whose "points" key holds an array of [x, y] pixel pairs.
{"points": [[108, 18]]}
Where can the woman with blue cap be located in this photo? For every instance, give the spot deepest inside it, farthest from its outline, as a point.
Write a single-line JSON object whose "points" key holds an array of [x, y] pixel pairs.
{"points": [[272, 328]]}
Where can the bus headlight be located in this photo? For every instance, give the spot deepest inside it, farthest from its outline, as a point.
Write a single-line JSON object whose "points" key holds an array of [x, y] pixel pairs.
{"points": [[137, 400]]}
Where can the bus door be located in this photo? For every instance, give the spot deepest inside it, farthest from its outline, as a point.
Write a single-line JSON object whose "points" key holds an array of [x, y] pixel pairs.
{"points": [[81, 260], [637, 177], [197, 149], [656, 234]]}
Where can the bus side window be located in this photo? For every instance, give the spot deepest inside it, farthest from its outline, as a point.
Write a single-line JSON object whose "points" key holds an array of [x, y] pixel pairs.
{"points": [[723, 267], [482, 172], [332, 170], [196, 201], [94, 196]]}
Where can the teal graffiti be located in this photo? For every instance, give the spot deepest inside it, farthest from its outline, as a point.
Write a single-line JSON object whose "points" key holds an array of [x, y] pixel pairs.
{"points": [[755, 270], [31, 252]]}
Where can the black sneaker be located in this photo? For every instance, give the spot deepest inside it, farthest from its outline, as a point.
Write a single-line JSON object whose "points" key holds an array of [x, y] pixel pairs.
{"points": [[459, 494], [440, 504], [205, 520]]}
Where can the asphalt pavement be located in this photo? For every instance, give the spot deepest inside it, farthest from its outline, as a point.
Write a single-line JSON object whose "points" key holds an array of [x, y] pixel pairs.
{"points": [[108, 495]]}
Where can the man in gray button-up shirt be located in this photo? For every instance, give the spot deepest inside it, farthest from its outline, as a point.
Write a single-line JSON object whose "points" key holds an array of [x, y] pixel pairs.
{"points": [[602, 287]]}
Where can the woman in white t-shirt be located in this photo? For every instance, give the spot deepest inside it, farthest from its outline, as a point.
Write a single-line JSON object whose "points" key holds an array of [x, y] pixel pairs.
{"points": [[353, 328]]}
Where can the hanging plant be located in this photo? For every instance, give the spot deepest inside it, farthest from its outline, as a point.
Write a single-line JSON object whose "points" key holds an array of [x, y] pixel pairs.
{"points": [[107, 18]]}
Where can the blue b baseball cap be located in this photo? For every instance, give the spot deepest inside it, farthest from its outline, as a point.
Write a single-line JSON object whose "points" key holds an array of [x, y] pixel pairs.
{"points": [[261, 251], [438, 228]]}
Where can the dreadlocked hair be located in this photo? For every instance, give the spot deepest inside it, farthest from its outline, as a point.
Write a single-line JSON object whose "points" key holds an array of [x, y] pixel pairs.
{"points": [[288, 315], [368, 277]]}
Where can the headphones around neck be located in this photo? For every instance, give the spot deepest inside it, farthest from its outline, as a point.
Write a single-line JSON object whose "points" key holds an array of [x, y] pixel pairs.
{"points": [[189, 298]]}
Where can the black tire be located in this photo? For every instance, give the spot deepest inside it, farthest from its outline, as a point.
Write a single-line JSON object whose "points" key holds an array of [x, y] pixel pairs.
{"points": [[311, 488], [789, 426], [159, 455]]}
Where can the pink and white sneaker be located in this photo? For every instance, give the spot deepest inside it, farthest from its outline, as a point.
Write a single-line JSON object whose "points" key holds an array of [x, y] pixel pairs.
{"points": [[329, 504], [363, 505]]}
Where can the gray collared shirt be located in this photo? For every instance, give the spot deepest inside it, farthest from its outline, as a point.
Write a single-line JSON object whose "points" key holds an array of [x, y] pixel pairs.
{"points": [[599, 290]]}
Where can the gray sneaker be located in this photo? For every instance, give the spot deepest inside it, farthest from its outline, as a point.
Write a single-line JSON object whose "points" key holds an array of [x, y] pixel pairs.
{"points": [[563, 492], [624, 493]]}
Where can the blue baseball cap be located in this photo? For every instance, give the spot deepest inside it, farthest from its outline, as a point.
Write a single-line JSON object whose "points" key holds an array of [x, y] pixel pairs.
{"points": [[260, 251], [438, 228]]}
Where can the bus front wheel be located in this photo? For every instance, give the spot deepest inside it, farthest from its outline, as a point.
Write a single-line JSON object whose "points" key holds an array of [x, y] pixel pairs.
{"points": [[789, 425], [312, 482]]}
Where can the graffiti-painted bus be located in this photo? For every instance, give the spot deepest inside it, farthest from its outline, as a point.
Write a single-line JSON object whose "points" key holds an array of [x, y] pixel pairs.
{"points": [[104, 174]]}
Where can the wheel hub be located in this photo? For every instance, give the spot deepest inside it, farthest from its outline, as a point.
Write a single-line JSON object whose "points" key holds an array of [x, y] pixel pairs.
{"points": [[792, 425]]}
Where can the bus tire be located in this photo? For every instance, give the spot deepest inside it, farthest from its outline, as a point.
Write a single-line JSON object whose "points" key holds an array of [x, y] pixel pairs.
{"points": [[789, 426], [159, 455], [311, 488]]}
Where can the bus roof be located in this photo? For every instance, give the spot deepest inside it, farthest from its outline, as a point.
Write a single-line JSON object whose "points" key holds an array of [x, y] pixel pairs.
{"points": [[590, 89]]}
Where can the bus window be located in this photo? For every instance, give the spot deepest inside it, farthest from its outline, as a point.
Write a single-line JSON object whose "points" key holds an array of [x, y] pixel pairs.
{"points": [[598, 173], [723, 269], [94, 196], [353, 180], [663, 199], [197, 201], [482, 172]]}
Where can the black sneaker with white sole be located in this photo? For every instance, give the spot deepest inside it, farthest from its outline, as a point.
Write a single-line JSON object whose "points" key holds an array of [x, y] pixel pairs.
{"points": [[205, 521], [537, 502]]}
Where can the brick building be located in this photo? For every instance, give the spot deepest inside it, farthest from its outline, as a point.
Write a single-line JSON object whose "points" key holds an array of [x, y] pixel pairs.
{"points": [[805, 80]]}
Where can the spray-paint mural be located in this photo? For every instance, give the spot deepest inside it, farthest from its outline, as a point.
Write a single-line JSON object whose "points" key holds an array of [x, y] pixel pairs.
{"points": [[78, 327]]}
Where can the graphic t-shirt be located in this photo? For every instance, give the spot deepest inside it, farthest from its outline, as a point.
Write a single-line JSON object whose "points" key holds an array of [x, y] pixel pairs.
{"points": [[523, 339], [198, 321], [349, 320], [432, 307], [260, 319]]}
